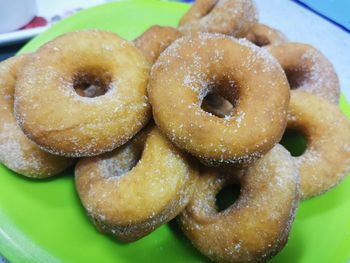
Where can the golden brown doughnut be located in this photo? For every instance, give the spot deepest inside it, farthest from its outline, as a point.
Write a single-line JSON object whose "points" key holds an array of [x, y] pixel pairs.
{"points": [[326, 160], [256, 226], [244, 74], [128, 198], [155, 39], [61, 121], [263, 35], [231, 17], [17, 152], [308, 69]]}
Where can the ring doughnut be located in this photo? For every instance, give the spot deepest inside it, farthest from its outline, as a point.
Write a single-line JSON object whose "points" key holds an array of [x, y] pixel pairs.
{"points": [[83, 122], [231, 17], [307, 69], [129, 201], [154, 40], [256, 226], [263, 35], [196, 65], [17, 152], [326, 160]]}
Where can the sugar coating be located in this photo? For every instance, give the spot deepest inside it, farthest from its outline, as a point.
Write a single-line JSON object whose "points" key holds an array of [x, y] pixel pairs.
{"points": [[116, 167], [137, 187], [12, 153], [326, 160], [263, 35], [17, 152], [97, 124], [321, 76], [311, 70], [224, 16], [194, 66], [155, 40], [256, 226]]}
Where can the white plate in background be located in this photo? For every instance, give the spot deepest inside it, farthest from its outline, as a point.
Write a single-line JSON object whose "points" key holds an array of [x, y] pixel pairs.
{"points": [[52, 11]]}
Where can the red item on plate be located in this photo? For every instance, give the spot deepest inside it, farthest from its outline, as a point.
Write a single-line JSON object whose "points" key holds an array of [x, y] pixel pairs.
{"points": [[37, 21]]}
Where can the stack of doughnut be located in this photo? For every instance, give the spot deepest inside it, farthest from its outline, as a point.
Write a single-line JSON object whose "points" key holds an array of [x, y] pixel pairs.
{"points": [[159, 126]]}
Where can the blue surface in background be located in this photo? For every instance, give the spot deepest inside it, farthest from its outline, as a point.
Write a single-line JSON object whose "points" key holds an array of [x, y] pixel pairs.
{"points": [[338, 11]]}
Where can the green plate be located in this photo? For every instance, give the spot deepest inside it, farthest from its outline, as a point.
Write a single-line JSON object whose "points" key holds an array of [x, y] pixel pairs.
{"points": [[43, 221]]}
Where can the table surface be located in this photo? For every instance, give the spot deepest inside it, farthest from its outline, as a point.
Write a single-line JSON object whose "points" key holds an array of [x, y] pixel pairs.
{"points": [[328, 28]]}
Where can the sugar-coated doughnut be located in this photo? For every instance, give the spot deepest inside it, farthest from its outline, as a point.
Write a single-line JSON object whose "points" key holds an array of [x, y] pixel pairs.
{"points": [[326, 160], [263, 35], [17, 152], [308, 69], [231, 17], [82, 123], [129, 201], [155, 39], [244, 74], [256, 226]]}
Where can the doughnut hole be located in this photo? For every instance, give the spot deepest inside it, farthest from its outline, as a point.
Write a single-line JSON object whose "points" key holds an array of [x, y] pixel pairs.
{"points": [[227, 196], [294, 141], [221, 98], [295, 77], [126, 158], [261, 41], [92, 82], [217, 105]]}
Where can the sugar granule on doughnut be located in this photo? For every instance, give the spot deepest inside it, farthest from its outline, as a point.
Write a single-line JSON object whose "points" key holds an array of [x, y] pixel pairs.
{"points": [[244, 74], [197, 10], [83, 93], [231, 17], [17, 152], [307, 69], [131, 191], [155, 39], [326, 160], [256, 226], [263, 35]]}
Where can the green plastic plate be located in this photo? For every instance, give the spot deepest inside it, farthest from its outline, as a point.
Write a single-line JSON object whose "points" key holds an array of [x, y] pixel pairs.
{"points": [[43, 221]]}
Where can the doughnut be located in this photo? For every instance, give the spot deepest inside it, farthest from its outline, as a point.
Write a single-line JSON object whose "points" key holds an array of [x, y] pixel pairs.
{"points": [[263, 35], [200, 64], [17, 152], [231, 17], [127, 198], [83, 122], [326, 160], [154, 40], [256, 226], [307, 69]]}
